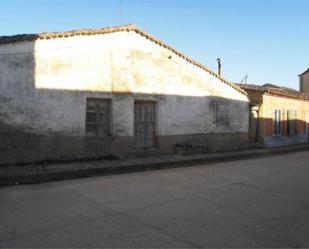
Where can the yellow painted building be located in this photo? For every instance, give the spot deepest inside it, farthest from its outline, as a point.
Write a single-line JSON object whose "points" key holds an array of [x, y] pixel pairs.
{"points": [[279, 115]]}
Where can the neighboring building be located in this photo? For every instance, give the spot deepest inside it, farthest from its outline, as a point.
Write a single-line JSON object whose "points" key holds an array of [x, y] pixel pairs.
{"points": [[304, 82], [113, 91], [279, 115]]}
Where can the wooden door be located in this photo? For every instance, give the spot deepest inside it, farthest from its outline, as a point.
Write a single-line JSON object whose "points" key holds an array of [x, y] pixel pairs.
{"points": [[144, 124]]}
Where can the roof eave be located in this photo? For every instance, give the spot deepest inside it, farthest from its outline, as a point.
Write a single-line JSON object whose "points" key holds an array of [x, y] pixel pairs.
{"points": [[306, 71]]}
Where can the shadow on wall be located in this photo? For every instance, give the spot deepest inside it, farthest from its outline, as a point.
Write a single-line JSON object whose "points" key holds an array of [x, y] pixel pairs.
{"points": [[263, 133], [50, 124]]}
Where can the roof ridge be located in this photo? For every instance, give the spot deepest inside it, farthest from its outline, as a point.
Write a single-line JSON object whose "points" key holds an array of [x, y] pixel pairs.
{"points": [[96, 31]]}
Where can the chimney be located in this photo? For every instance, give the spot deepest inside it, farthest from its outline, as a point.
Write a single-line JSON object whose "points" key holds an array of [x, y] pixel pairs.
{"points": [[304, 82], [219, 61]]}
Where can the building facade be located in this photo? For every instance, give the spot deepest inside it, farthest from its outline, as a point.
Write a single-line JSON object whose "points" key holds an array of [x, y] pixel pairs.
{"points": [[304, 82], [117, 91], [279, 116]]}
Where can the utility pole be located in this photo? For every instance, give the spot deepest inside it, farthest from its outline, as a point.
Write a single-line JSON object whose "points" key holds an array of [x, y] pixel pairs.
{"points": [[245, 79]]}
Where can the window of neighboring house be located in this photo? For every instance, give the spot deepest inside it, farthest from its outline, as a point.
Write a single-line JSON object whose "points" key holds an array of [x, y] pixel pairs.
{"points": [[98, 117], [291, 122], [277, 122]]}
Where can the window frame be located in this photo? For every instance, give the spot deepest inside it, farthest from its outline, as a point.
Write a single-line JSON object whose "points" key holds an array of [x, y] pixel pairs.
{"points": [[155, 121], [293, 120], [280, 122], [97, 122]]}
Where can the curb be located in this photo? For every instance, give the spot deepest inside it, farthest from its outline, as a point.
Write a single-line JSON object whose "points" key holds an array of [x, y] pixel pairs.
{"points": [[44, 176]]}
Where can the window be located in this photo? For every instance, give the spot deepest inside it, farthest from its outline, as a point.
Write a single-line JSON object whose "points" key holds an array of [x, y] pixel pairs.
{"points": [[98, 117], [277, 124], [291, 123], [220, 114]]}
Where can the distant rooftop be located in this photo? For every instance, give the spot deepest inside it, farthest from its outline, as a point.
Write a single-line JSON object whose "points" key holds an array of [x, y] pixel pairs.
{"points": [[276, 90], [306, 71]]}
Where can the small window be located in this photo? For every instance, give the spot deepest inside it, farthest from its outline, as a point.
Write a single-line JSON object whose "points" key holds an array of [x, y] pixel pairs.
{"points": [[291, 123], [98, 117], [277, 124]]}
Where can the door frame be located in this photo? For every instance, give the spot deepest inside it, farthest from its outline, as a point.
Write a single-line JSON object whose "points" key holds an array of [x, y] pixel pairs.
{"points": [[155, 139]]}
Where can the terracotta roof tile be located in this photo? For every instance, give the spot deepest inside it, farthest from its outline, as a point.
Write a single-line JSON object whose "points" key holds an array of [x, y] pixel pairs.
{"points": [[251, 86], [275, 90]]}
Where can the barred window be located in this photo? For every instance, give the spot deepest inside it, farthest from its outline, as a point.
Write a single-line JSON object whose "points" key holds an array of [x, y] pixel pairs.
{"points": [[292, 123], [98, 117], [277, 122]]}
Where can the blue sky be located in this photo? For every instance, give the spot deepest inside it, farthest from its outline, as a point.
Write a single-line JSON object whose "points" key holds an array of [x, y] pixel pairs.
{"points": [[268, 40]]}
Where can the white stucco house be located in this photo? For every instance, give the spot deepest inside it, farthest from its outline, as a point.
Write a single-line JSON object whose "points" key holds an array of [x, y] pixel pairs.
{"points": [[92, 93]]}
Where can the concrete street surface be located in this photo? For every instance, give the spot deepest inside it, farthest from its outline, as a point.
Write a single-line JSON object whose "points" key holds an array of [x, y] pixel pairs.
{"points": [[250, 203]]}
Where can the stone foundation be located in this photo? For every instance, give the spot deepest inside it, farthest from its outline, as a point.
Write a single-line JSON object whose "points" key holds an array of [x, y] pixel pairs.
{"points": [[27, 149], [16, 148], [203, 143], [279, 141]]}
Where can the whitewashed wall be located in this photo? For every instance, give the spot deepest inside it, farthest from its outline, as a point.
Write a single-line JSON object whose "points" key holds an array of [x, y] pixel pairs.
{"points": [[44, 85]]}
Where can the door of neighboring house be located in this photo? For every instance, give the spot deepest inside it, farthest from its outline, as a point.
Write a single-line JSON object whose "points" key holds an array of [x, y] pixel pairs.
{"points": [[144, 124], [307, 126], [253, 126]]}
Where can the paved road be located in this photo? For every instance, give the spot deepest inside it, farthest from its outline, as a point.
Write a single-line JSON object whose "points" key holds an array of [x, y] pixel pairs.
{"points": [[251, 203]]}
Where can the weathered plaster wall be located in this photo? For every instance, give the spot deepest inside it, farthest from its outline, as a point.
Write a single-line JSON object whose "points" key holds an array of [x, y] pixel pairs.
{"points": [[44, 86], [107, 64], [284, 104]]}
